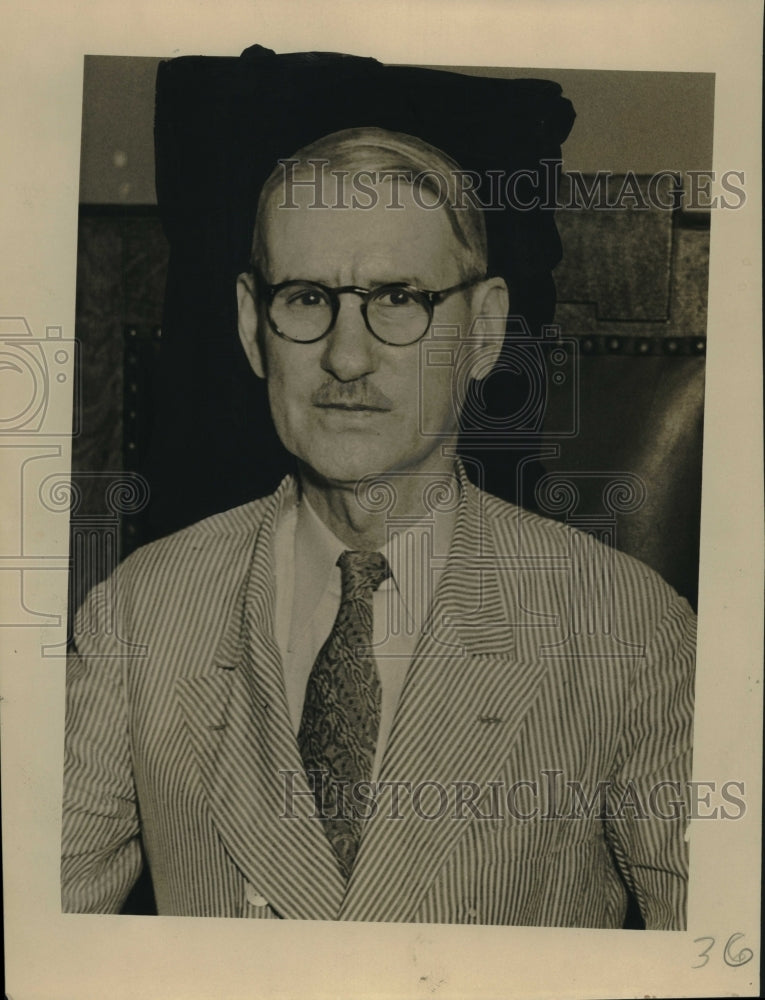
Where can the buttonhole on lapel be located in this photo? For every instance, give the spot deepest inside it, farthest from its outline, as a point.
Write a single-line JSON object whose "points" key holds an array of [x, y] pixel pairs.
{"points": [[226, 666], [489, 720], [217, 725]]}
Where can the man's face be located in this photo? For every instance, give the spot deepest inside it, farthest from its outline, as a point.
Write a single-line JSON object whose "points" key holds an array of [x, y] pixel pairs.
{"points": [[349, 405]]}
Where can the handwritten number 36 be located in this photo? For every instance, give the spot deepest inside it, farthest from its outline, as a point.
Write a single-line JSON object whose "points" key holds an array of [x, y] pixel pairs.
{"points": [[729, 956]]}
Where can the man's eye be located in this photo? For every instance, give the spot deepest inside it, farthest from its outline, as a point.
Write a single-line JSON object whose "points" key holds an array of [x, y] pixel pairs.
{"points": [[306, 297], [395, 297]]}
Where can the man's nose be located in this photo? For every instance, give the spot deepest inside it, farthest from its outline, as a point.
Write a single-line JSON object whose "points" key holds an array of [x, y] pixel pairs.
{"points": [[350, 349]]}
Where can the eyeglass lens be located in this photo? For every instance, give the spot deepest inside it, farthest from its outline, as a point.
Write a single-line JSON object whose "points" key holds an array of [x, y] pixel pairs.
{"points": [[304, 312]]}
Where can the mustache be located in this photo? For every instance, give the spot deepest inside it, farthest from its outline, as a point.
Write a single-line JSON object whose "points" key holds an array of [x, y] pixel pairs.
{"points": [[361, 393]]}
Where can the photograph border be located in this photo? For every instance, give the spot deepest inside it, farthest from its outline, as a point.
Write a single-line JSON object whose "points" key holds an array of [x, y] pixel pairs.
{"points": [[86, 955]]}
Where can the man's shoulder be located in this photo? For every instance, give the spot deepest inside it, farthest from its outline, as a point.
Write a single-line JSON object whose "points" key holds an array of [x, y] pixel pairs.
{"points": [[513, 525], [515, 530], [223, 538], [560, 547]]}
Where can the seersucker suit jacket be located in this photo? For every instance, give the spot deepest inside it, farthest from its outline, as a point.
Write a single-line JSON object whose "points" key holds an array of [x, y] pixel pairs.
{"points": [[548, 699]]}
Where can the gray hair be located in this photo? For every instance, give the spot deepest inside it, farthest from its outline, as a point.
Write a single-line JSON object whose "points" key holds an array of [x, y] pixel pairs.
{"points": [[357, 149]]}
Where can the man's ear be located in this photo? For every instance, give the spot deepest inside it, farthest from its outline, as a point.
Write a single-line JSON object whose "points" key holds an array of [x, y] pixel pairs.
{"points": [[490, 305], [248, 324]]}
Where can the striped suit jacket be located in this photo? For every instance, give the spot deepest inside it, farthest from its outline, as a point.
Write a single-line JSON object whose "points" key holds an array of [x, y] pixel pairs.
{"points": [[536, 765]]}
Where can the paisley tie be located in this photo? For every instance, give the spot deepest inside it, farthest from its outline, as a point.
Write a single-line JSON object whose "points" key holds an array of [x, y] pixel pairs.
{"points": [[341, 713]]}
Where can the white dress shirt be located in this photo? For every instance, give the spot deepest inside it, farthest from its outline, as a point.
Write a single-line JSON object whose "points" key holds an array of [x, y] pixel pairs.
{"points": [[308, 591]]}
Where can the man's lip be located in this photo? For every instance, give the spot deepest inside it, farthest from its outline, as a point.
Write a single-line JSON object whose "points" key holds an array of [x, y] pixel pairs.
{"points": [[352, 407]]}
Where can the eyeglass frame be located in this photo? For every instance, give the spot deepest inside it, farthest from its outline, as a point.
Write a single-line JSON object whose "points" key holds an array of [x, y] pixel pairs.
{"points": [[431, 300]]}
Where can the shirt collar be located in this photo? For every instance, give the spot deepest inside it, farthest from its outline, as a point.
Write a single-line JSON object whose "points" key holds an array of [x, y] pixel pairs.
{"points": [[317, 550]]}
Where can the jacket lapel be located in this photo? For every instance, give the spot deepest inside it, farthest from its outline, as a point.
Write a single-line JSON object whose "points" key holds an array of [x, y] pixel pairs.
{"points": [[247, 754], [466, 695]]}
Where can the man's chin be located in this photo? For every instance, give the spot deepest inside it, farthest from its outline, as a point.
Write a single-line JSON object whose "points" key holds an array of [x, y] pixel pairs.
{"points": [[346, 463], [335, 465], [343, 472]]}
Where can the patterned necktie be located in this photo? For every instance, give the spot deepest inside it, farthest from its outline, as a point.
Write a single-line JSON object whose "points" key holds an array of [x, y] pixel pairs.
{"points": [[341, 713]]}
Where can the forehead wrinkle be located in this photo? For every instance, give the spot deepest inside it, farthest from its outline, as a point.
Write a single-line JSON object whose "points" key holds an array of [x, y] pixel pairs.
{"points": [[360, 246]]}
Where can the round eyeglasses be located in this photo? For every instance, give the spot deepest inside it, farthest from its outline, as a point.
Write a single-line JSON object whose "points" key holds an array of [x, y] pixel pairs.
{"points": [[396, 314]]}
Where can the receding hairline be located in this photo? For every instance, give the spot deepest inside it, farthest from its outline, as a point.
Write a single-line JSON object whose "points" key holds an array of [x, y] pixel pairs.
{"points": [[368, 147]]}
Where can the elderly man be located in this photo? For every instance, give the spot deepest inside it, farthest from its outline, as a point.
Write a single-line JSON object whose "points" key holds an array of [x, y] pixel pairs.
{"points": [[380, 693]]}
